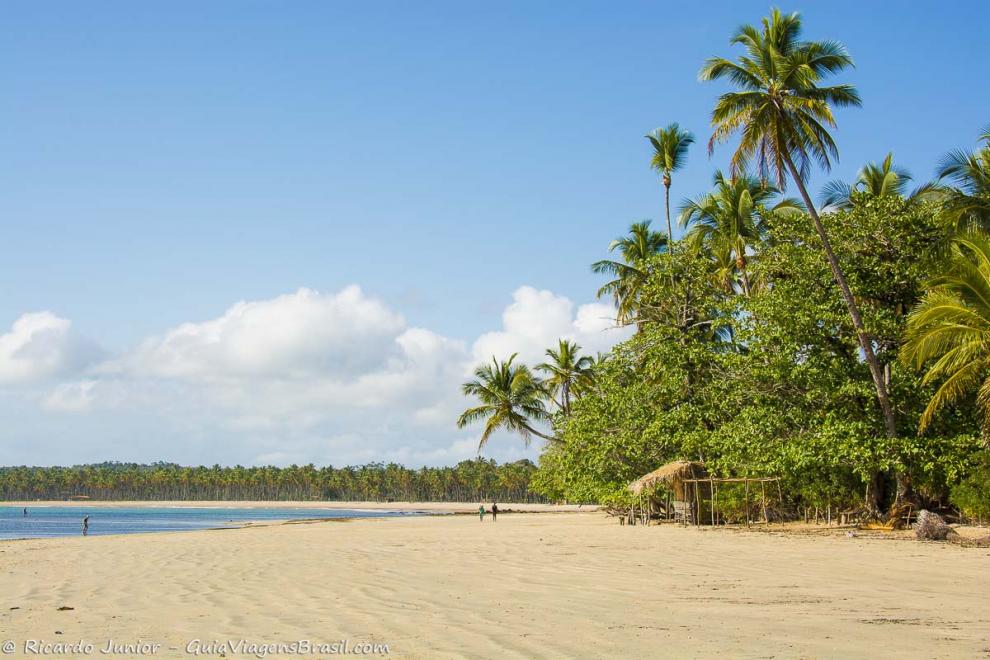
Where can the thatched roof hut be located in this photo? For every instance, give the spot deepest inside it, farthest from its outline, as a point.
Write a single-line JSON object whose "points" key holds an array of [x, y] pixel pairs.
{"points": [[671, 475]]}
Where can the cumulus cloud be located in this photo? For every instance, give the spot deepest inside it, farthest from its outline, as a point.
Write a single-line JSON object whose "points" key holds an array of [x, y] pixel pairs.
{"points": [[536, 319], [293, 335], [41, 345], [302, 377], [71, 397]]}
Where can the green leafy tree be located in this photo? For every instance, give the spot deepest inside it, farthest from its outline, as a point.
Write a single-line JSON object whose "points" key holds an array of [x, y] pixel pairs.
{"points": [[670, 148]]}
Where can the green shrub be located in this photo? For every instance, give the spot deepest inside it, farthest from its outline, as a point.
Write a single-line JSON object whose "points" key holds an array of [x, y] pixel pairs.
{"points": [[972, 494]]}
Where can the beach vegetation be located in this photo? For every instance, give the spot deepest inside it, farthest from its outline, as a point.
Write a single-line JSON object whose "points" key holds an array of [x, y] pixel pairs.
{"points": [[844, 348]]}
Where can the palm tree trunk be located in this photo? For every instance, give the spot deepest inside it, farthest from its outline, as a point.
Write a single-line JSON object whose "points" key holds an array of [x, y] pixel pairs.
{"points": [[538, 434], [890, 424], [670, 231], [865, 343]]}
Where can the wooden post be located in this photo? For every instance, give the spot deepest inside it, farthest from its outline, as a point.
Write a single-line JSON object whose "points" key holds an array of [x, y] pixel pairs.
{"points": [[780, 497], [711, 495], [747, 502], [763, 490], [715, 500], [697, 500]]}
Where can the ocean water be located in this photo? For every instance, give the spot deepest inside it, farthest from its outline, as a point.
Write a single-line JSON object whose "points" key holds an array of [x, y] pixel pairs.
{"points": [[51, 521]]}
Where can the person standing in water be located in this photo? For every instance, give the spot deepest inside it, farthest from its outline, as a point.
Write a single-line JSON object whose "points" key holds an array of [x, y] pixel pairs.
{"points": [[86, 526], [481, 512], [25, 511], [494, 511]]}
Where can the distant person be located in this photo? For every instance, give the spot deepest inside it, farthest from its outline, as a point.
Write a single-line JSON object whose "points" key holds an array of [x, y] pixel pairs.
{"points": [[481, 512], [25, 511], [494, 511], [86, 526]]}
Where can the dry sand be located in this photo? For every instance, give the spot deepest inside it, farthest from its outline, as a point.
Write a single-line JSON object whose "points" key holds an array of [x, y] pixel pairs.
{"points": [[529, 586]]}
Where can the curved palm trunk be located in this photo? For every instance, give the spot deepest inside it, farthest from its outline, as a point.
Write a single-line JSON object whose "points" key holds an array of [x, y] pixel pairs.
{"points": [[530, 429], [890, 425], [666, 195]]}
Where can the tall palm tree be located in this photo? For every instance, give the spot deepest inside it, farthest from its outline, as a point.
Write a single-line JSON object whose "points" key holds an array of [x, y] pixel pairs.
{"points": [[511, 399], [670, 147], [733, 218], [567, 371], [629, 274], [783, 115], [949, 330], [967, 203], [877, 180]]}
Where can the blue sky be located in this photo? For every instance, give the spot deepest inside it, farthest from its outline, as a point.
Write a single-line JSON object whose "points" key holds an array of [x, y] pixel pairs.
{"points": [[163, 161]]}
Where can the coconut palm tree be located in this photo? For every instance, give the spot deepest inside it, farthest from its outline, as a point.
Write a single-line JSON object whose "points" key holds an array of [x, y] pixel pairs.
{"points": [[877, 180], [949, 330], [629, 274], [967, 203], [511, 399], [733, 219], [783, 115], [567, 370], [670, 147]]}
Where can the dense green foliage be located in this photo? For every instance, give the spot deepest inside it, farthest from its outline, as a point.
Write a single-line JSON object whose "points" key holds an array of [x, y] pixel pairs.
{"points": [[844, 349], [773, 383], [972, 495], [469, 481]]}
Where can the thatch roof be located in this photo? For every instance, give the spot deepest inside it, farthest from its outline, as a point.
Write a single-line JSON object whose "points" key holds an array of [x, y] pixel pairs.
{"points": [[669, 473]]}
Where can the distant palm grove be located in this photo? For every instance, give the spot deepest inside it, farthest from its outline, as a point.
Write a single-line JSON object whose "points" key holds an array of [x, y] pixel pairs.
{"points": [[838, 339], [476, 480]]}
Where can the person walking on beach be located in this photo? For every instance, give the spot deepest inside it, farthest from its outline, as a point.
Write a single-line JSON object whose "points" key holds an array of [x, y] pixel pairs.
{"points": [[494, 511], [86, 526], [481, 512]]}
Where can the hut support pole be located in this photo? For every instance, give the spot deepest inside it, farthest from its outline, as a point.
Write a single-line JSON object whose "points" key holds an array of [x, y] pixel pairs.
{"points": [[697, 500], [763, 490], [711, 484], [747, 503], [780, 498]]}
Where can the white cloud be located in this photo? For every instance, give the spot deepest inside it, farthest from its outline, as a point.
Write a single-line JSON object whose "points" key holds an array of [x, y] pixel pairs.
{"points": [[42, 345], [303, 377], [71, 397], [293, 335], [537, 319]]}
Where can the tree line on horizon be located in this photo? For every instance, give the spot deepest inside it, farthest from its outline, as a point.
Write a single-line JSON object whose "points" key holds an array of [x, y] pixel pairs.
{"points": [[842, 345], [469, 481]]}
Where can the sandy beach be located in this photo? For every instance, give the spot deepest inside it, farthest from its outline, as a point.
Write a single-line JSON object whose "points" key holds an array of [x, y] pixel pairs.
{"points": [[539, 585]]}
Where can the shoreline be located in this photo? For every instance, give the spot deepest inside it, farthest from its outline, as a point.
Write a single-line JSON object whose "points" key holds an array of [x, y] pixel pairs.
{"points": [[445, 507]]}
